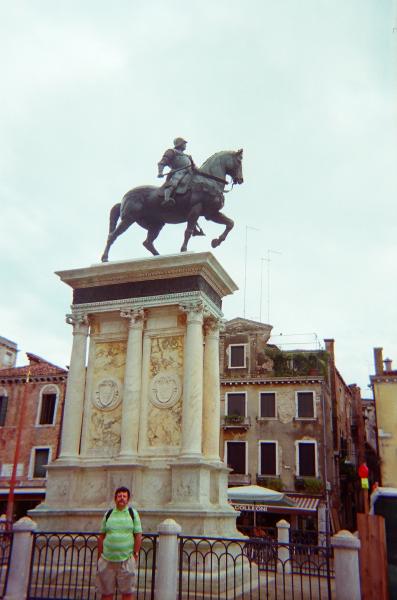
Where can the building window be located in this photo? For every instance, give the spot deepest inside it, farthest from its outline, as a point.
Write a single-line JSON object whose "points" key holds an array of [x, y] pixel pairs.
{"points": [[237, 356], [236, 457], [40, 458], [306, 459], [268, 464], [236, 404], [267, 408], [305, 405], [3, 407], [48, 405]]}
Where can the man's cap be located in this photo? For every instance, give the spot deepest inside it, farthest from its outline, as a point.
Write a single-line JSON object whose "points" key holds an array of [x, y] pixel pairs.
{"points": [[178, 141]]}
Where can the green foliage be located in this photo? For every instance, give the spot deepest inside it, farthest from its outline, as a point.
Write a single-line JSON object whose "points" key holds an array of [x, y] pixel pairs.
{"points": [[348, 469], [298, 363], [273, 483], [313, 485], [234, 418]]}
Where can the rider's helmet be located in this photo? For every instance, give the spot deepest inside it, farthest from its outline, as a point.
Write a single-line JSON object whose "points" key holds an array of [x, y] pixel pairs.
{"points": [[178, 141]]}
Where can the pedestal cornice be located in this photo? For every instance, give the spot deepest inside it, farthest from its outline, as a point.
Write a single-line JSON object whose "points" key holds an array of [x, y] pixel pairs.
{"points": [[172, 266]]}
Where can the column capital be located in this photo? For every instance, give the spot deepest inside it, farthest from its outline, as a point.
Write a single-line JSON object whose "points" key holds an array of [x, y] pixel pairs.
{"points": [[136, 316], [80, 322], [212, 325], [194, 310]]}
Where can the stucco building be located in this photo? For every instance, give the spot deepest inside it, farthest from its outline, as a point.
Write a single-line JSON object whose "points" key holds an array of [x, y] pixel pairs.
{"points": [[31, 406], [8, 353], [288, 423], [384, 384]]}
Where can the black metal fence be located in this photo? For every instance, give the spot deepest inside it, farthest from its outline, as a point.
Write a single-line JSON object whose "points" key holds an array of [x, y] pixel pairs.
{"points": [[6, 538], [254, 569], [63, 566]]}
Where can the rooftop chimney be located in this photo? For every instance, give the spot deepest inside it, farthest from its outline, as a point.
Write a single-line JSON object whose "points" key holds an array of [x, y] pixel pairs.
{"points": [[330, 348], [387, 362], [378, 358]]}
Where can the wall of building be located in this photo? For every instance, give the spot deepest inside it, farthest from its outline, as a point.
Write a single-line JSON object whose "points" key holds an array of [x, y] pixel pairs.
{"points": [[285, 429], [8, 353], [384, 385], [385, 393], [23, 410]]}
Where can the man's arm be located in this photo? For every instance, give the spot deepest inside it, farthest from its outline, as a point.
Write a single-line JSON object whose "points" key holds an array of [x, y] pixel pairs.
{"points": [[137, 544], [166, 161], [101, 538]]}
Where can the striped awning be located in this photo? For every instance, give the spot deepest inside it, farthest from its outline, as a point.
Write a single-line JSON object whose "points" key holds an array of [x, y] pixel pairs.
{"points": [[302, 504], [305, 503]]}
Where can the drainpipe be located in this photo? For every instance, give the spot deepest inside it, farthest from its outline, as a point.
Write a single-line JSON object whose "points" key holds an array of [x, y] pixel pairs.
{"points": [[325, 451]]}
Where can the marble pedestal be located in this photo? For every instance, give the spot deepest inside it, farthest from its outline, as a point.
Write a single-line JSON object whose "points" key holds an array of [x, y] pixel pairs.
{"points": [[142, 405]]}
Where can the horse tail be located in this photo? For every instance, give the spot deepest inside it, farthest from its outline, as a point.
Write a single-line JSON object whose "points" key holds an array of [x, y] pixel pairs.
{"points": [[114, 216]]}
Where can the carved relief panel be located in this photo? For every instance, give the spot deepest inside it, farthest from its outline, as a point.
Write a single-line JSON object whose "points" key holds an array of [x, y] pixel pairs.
{"points": [[103, 435], [165, 391]]}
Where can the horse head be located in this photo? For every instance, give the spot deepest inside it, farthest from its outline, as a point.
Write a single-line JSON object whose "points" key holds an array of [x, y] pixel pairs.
{"points": [[224, 163], [236, 170], [233, 165]]}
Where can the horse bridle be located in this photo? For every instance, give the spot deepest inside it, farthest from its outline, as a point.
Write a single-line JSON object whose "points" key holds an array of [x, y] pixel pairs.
{"points": [[218, 179]]}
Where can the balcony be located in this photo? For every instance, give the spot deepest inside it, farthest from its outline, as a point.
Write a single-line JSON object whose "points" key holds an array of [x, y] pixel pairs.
{"points": [[239, 479], [236, 422]]}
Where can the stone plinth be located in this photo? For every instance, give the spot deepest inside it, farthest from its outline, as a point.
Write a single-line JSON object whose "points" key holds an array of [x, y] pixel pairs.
{"points": [[142, 400]]}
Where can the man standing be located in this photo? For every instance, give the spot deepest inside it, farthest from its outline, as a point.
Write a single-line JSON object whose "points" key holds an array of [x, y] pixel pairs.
{"points": [[118, 549], [181, 166]]}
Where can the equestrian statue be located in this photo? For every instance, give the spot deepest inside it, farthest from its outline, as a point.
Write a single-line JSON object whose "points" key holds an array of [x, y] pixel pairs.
{"points": [[187, 194]]}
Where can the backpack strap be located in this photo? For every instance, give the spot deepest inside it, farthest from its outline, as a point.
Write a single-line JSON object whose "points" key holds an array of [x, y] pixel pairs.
{"points": [[131, 511], [109, 512]]}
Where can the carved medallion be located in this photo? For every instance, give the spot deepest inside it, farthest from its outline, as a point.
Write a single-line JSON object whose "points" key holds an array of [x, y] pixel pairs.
{"points": [[285, 409], [107, 395], [165, 389]]}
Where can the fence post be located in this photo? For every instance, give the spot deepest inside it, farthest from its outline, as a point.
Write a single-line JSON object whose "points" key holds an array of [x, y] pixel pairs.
{"points": [[283, 563], [18, 576], [167, 561], [346, 563]]}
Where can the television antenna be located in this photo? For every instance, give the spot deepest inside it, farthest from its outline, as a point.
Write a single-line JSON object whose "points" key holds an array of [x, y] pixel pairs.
{"points": [[268, 261], [245, 263]]}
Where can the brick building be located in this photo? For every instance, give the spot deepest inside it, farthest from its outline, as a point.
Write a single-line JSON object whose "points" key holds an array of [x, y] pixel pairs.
{"points": [[31, 401]]}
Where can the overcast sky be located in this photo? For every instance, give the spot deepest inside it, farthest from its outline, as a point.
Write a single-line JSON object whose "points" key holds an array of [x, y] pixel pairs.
{"points": [[94, 91]]}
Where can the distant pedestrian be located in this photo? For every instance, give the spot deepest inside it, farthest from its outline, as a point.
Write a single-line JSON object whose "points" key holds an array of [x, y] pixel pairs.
{"points": [[118, 549]]}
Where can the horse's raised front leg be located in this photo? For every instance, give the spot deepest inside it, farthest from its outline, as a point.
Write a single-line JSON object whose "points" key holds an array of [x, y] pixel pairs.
{"points": [[113, 235], [151, 236], [223, 220], [191, 224]]}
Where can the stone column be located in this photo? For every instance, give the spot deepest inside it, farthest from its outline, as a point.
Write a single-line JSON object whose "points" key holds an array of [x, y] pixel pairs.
{"points": [[18, 575], [192, 412], [167, 561], [74, 400], [346, 563], [132, 385], [283, 562], [211, 396]]}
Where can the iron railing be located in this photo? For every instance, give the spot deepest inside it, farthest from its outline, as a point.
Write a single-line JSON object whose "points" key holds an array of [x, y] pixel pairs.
{"points": [[63, 566], [6, 538], [296, 536], [253, 569]]}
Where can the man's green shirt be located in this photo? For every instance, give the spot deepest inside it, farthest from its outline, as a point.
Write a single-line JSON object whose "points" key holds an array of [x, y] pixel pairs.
{"points": [[119, 529]]}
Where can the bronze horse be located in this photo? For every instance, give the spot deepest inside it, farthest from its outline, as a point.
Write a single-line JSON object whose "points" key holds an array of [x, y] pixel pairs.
{"points": [[204, 198]]}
